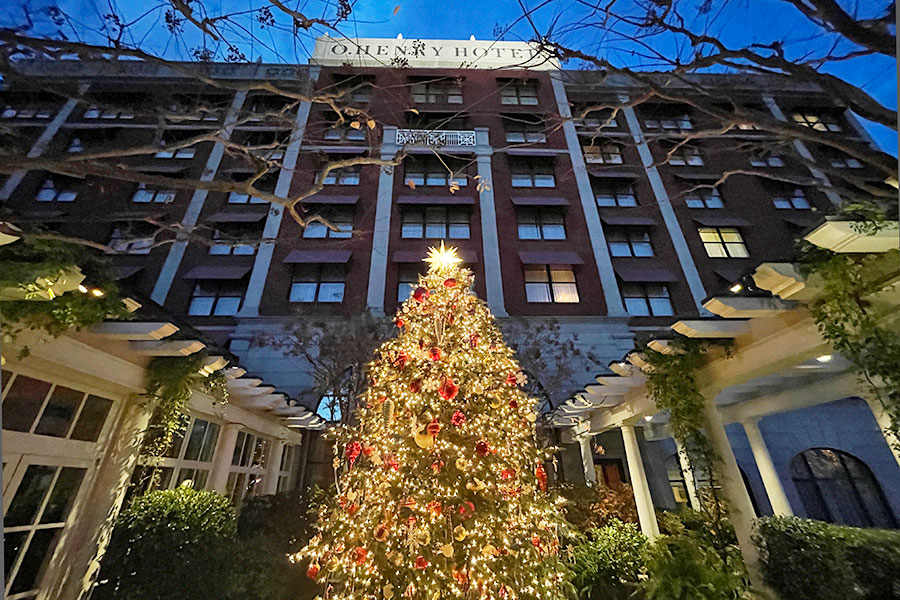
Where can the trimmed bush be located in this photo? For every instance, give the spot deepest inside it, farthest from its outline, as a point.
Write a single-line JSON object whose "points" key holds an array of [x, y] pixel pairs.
{"points": [[608, 562], [684, 567], [805, 559]]}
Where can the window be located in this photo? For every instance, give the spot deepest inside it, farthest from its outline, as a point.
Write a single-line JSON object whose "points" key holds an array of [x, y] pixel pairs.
{"points": [[318, 283], [791, 198], [647, 299], [133, 237], [216, 297], [189, 457], [685, 156], [518, 92], [550, 283], [177, 153], [429, 170], [676, 481], [247, 467], [540, 223], [109, 113], [199, 107], [768, 158], [723, 242], [532, 173], [286, 468], [341, 218], [145, 195], [355, 88], [844, 162], [267, 145], [629, 241], [75, 145], [26, 112], [704, 198], [178, 137], [267, 107], [436, 92], [614, 193], [837, 487], [338, 130], [595, 119], [669, 122], [342, 176], [264, 183], [435, 222], [816, 121], [242, 198], [56, 190], [522, 129], [35, 406], [238, 239], [407, 280], [437, 121], [607, 153]]}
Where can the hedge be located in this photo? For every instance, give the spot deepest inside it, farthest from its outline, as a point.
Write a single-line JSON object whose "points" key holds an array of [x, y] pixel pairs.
{"points": [[805, 559]]}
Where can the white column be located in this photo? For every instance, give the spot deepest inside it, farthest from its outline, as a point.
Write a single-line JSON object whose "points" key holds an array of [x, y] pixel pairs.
{"points": [[691, 275], [273, 466], [192, 214], [218, 476], [382, 232], [884, 424], [646, 513], [774, 490], [611, 293], [587, 460], [688, 473], [490, 240]]}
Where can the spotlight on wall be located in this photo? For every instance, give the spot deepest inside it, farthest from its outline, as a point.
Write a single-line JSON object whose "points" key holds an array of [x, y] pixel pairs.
{"points": [[648, 418], [736, 288], [82, 289], [97, 292], [824, 358]]}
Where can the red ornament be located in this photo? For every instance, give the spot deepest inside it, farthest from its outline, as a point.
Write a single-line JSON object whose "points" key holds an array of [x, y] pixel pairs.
{"points": [[503, 591], [401, 360], [352, 451], [461, 577], [535, 541], [400, 323], [450, 283], [361, 555], [437, 465], [513, 404], [541, 474], [312, 571], [434, 354], [415, 386], [482, 448], [457, 419], [390, 462], [435, 507], [421, 563], [420, 294], [507, 473], [368, 451], [473, 341], [352, 509], [448, 389], [466, 510], [433, 428], [511, 379]]}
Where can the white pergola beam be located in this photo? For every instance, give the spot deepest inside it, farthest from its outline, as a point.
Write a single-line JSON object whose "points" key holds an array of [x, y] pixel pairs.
{"points": [[711, 328], [783, 280], [747, 307], [134, 330], [842, 236], [170, 348]]}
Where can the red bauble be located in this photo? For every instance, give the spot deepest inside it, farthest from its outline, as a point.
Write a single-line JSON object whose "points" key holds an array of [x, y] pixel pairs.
{"points": [[434, 354], [435, 507], [400, 323], [466, 510], [433, 428], [511, 379], [541, 474], [421, 294], [368, 451], [437, 465], [507, 473], [401, 360], [352, 451], [312, 571], [448, 389], [351, 510], [513, 404], [361, 555], [450, 283], [457, 419], [473, 341], [415, 386], [421, 563], [482, 448]]}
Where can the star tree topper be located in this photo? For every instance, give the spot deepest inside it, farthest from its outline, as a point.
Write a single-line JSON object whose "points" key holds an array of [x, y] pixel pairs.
{"points": [[440, 259]]}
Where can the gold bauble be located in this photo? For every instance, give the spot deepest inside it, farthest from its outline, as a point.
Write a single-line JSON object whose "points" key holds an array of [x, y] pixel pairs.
{"points": [[462, 464], [488, 550], [388, 591], [459, 533], [447, 550], [423, 440]]}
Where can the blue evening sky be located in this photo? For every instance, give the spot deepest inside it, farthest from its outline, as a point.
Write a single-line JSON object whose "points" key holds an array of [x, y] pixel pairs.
{"points": [[736, 22]]}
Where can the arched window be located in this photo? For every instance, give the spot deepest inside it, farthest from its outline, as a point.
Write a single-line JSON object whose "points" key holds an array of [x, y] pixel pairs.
{"points": [[839, 488]]}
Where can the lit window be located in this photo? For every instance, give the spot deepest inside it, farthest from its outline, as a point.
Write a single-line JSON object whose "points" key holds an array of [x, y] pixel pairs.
{"points": [[647, 299], [817, 121], [145, 195], [342, 219], [791, 198], [432, 171], [532, 173], [133, 238], [614, 193], [518, 92], [238, 239], [52, 191], [704, 198], [607, 153], [681, 122], [766, 159], [436, 92], [550, 283], [407, 281], [685, 156], [524, 130], [343, 176], [723, 242], [435, 222], [629, 241], [318, 283], [540, 223], [217, 297]]}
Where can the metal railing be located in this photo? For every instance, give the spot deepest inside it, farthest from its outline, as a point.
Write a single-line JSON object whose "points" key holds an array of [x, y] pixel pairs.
{"points": [[435, 137]]}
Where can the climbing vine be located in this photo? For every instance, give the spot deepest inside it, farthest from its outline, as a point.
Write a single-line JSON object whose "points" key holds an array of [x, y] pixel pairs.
{"points": [[848, 317], [170, 383]]}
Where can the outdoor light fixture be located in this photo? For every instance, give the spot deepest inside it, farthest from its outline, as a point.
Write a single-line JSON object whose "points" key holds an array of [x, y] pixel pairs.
{"points": [[825, 358], [97, 292], [648, 418], [82, 289], [736, 288]]}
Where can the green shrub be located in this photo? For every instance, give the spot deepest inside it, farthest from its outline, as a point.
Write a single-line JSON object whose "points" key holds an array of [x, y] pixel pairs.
{"points": [[608, 562], [683, 567], [804, 559], [170, 544]]}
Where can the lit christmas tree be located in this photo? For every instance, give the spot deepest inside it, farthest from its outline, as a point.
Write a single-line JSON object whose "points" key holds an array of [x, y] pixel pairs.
{"points": [[443, 492]]}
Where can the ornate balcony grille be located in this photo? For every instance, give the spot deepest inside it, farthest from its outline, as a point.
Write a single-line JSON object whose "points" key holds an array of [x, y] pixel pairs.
{"points": [[434, 137]]}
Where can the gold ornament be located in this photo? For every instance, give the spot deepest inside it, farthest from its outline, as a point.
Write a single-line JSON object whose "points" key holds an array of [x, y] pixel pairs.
{"points": [[442, 258], [459, 533], [488, 550], [423, 537], [388, 591], [476, 485], [351, 495], [447, 550], [532, 417], [387, 409], [423, 440], [462, 464]]}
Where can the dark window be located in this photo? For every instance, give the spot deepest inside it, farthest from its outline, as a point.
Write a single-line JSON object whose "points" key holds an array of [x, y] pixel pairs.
{"points": [[342, 176], [766, 158], [435, 222], [145, 195], [342, 218], [550, 283], [59, 413], [603, 153], [612, 192], [436, 121], [91, 419], [355, 88], [684, 155], [839, 488], [407, 280], [267, 107], [788, 197], [133, 237], [594, 119], [534, 173], [268, 145], [522, 129], [172, 145], [645, 299], [201, 441], [22, 402], [629, 241], [430, 170], [341, 130], [436, 91], [704, 198], [57, 189], [667, 119], [513, 91], [200, 107], [318, 283], [540, 223], [239, 239], [216, 297]]}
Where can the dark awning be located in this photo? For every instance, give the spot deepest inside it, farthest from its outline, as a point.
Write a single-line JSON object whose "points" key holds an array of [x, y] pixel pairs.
{"points": [[802, 222], [550, 258], [731, 274], [699, 176], [606, 174], [211, 272], [469, 257], [534, 152], [624, 220], [721, 221], [318, 256], [435, 200], [326, 199], [120, 272], [539, 201], [237, 217], [649, 272]]}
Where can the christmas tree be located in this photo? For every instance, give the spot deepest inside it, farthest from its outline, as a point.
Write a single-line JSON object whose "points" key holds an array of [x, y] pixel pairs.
{"points": [[442, 491]]}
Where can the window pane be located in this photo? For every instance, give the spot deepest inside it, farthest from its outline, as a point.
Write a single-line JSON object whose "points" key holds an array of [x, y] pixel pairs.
{"points": [[59, 412], [195, 440], [12, 544], [23, 402], [543, 180], [315, 230], [554, 232], [209, 442], [537, 292], [411, 230], [637, 307], [661, 306], [737, 250], [565, 293], [331, 292], [459, 231], [43, 542], [536, 274], [605, 199], [201, 306], [715, 250], [642, 249], [30, 494], [521, 180], [529, 232], [619, 249], [227, 306], [303, 292], [63, 495], [90, 421], [562, 275]]}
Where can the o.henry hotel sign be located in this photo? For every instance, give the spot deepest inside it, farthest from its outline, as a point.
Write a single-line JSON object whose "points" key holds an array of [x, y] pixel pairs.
{"points": [[436, 54]]}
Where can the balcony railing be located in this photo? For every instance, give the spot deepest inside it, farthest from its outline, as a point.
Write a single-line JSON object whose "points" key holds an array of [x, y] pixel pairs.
{"points": [[434, 137]]}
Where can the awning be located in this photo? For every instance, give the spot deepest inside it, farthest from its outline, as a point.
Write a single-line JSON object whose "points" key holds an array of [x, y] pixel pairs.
{"points": [[470, 257], [210, 272], [120, 272], [731, 274], [624, 220], [550, 258], [435, 200], [534, 152], [723, 221], [237, 217], [326, 199], [318, 256], [699, 176], [539, 201], [649, 272], [802, 222], [606, 174]]}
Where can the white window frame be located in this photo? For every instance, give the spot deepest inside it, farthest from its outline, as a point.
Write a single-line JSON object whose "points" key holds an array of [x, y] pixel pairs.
{"points": [[717, 246], [556, 290], [513, 93], [244, 473]]}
